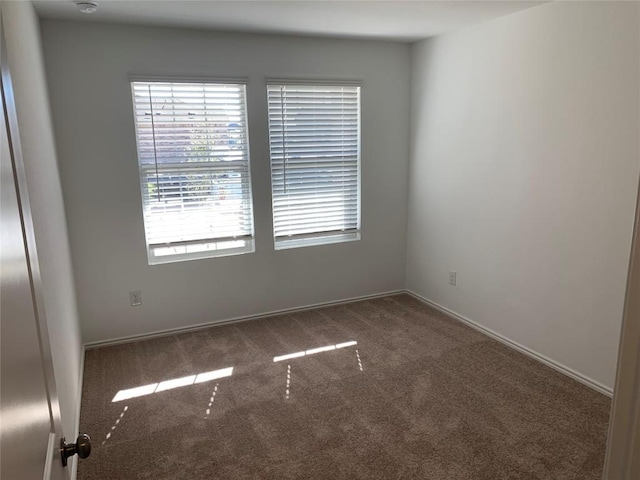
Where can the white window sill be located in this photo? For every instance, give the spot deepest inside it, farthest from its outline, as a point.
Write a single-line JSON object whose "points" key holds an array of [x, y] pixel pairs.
{"points": [[284, 244], [208, 251]]}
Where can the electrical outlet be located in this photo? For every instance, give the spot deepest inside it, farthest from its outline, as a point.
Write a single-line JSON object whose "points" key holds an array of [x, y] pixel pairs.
{"points": [[136, 298], [452, 278]]}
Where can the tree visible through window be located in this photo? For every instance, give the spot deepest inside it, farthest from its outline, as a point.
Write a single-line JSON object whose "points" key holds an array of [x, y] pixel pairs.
{"points": [[193, 157]]}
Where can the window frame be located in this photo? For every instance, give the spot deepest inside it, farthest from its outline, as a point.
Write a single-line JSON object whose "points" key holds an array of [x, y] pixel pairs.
{"points": [[321, 237], [249, 247]]}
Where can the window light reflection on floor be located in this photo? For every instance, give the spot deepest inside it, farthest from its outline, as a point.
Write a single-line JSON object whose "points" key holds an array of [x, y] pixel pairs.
{"points": [[314, 351], [171, 384], [115, 425]]}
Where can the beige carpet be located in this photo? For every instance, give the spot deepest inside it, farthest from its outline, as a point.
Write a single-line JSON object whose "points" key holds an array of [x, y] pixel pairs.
{"points": [[418, 396]]}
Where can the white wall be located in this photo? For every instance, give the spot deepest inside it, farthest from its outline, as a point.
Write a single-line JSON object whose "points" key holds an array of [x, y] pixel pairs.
{"points": [[523, 175], [87, 66], [47, 208]]}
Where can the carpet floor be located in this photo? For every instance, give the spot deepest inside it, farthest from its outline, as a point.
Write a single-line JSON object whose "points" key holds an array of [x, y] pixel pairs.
{"points": [[387, 388]]}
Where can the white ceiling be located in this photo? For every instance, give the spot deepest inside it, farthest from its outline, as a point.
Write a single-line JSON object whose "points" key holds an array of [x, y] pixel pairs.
{"points": [[403, 20]]}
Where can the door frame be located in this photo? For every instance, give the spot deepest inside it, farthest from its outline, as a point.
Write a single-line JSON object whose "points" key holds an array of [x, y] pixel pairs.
{"points": [[622, 459]]}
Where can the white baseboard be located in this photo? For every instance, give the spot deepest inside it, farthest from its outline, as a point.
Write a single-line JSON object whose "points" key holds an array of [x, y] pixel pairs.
{"points": [[589, 382], [202, 326]]}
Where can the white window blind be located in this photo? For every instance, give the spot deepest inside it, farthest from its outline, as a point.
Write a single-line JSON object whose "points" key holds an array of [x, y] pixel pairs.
{"points": [[193, 157], [314, 135]]}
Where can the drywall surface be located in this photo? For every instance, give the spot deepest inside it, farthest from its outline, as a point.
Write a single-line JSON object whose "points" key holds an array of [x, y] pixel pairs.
{"points": [[47, 208], [523, 176], [88, 66]]}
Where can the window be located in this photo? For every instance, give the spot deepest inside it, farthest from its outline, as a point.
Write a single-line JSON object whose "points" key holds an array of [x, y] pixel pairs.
{"points": [[314, 135], [193, 156]]}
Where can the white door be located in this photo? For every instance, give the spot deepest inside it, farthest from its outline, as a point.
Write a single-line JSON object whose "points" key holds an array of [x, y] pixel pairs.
{"points": [[30, 426]]}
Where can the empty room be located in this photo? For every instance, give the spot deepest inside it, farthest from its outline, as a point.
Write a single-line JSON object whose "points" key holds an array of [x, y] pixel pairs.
{"points": [[320, 240]]}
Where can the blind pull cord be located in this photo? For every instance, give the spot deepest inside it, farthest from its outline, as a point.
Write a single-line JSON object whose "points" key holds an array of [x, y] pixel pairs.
{"points": [[284, 145], [155, 153]]}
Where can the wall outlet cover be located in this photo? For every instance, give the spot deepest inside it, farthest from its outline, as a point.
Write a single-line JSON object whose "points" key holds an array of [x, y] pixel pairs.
{"points": [[136, 298]]}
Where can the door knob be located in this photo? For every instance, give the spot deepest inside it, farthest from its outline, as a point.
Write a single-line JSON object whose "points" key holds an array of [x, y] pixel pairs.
{"points": [[82, 447]]}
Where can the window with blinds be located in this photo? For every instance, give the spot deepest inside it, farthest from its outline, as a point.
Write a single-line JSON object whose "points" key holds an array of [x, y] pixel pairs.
{"points": [[193, 157], [314, 136]]}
